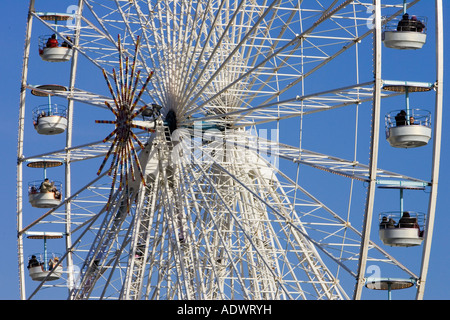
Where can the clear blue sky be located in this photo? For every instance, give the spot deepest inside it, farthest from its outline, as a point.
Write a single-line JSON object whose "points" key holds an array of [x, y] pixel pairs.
{"points": [[12, 26]]}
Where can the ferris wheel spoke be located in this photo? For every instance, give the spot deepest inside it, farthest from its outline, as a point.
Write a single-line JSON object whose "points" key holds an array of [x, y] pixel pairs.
{"points": [[76, 95], [97, 18], [81, 152], [201, 230], [191, 42], [348, 243], [348, 168], [146, 23], [237, 47], [255, 195], [298, 106], [271, 207], [344, 225], [293, 41], [229, 253], [103, 257], [329, 57], [198, 232]]}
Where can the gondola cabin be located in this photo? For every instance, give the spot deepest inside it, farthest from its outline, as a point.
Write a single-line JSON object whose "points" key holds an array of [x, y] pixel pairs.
{"points": [[49, 118], [402, 228], [44, 193], [39, 198], [409, 127], [44, 266], [408, 33], [54, 47], [408, 130], [37, 273]]}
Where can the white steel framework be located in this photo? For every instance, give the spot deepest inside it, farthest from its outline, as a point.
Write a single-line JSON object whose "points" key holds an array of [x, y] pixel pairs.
{"points": [[239, 118]]}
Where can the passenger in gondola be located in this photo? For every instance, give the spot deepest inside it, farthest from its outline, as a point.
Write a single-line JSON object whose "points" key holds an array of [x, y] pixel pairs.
{"points": [[57, 193], [33, 262], [46, 186], [417, 24], [411, 121], [410, 24], [387, 223], [67, 44], [405, 24], [52, 263], [406, 221], [400, 118], [52, 42]]}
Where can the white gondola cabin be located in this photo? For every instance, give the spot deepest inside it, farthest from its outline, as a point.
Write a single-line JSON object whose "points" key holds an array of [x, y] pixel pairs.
{"points": [[46, 265], [37, 273], [409, 127], [50, 118], [402, 228], [407, 33], [55, 48], [39, 197], [44, 193], [53, 54]]}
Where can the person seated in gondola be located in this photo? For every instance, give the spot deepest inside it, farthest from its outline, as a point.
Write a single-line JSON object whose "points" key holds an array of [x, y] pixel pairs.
{"points": [[33, 262], [46, 186], [387, 223], [52, 42], [52, 263], [41, 114], [417, 25], [406, 221], [405, 23], [57, 193], [410, 24], [67, 44], [400, 118]]}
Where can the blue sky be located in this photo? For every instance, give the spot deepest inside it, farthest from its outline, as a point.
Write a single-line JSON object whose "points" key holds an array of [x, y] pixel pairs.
{"points": [[12, 26]]}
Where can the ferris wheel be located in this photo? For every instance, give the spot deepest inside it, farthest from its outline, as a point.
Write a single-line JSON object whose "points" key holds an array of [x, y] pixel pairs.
{"points": [[212, 150]]}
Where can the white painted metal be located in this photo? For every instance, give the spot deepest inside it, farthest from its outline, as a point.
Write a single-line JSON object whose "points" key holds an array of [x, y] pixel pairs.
{"points": [[20, 155], [439, 29], [374, 145], [404, 39], [37, 274], [400, 237], [51, 125], [409, 136], [218, 217], [58, 54]]}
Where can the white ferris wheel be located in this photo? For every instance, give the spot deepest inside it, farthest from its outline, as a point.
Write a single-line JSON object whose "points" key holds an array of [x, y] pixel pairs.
{"points": [[225, 149]]}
